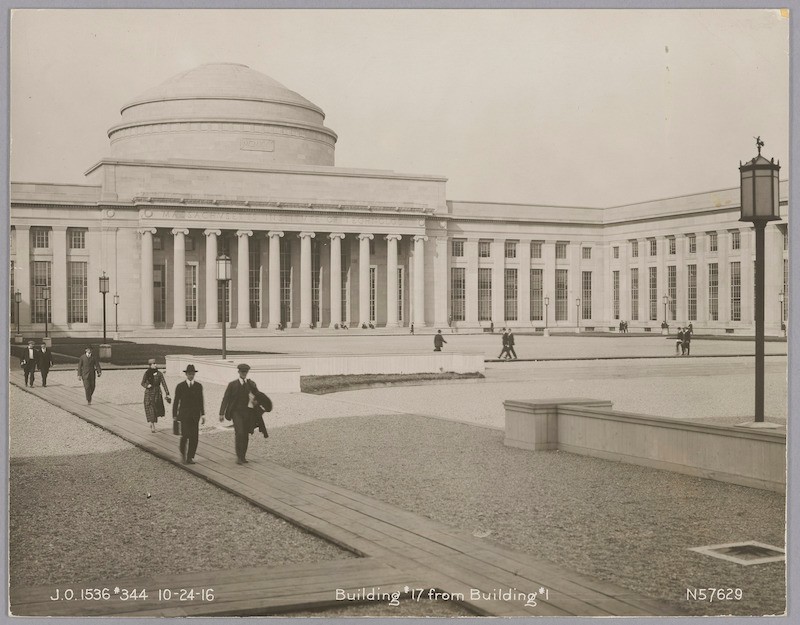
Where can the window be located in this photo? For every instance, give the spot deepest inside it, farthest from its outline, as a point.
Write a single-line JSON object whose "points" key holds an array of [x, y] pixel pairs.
{"points": [[634, 249], [537, 295], [653, 247], [713, 292], [11, 291], [562, 291], [692, 291], [458, 290], [736, 240], [12, 241], [634, 294], [561, 249], [345, 284], [401, 283], [158, 245], [40, 239], [286, 281], [189, 244], [191, 292], [76, 238], [653, 292], [586, 295], [586, 253], [615, 251], [316, 263], [510, 291], [692, 244], [457, 248], [536, 249], [160, 294], [254, 281], [672, 290], [736, 291], [40, 278], [484, 294], [77, 291], [785, 312], [373, 285], [615, 293], [484, 249], [511, 249], [671, 246], [712, 241]]}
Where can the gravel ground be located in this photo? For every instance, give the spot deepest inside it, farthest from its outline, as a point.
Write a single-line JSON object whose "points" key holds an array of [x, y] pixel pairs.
{"points": [[622, 523], [81, 513]]}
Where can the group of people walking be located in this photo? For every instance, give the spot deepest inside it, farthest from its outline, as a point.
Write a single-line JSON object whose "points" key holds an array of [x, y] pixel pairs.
{"points": [[683, 341], [508, 345], [36, 358], [242, 403]]}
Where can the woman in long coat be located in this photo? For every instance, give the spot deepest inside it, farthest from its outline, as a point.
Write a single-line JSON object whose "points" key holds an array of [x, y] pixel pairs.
{"points": [[152, 381]]}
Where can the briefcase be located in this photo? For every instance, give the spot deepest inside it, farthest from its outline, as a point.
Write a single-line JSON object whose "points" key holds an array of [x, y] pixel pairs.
{"points": [[176, 427]]}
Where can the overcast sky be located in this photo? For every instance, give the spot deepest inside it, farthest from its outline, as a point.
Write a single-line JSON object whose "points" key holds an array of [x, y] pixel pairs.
{"points": [[573, 107]]}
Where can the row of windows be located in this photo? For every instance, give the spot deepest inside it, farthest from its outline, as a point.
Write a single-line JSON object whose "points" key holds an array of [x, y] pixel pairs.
{"points": [[713, 244], [485, 249]]}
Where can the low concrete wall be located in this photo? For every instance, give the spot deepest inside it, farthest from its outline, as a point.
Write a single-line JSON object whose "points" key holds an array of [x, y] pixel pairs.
{"points": [[755, 458], [270, 378], [354, 364]]}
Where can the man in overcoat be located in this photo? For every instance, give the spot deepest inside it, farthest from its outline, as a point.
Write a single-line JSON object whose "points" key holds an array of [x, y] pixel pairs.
{"points": [[235, 407], [29, 364], [44, 360], [88, 367], [189, 409], [510, 349], [504, 351], [438, 341]]}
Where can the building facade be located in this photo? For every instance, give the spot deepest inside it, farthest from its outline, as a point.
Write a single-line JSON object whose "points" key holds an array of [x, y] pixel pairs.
{"points": [[222, 160]]}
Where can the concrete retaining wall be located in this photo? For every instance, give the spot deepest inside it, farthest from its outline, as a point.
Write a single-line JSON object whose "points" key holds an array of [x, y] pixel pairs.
{"points": [[755, 458], [270, 378]]}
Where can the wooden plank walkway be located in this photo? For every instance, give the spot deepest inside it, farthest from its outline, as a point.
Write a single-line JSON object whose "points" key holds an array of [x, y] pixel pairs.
{"points": [[397, 548]]}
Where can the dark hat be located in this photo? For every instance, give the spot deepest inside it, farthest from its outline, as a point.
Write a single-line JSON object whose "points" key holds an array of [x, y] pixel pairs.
{"points": [[243, 367], [31, 342], [190, 369]]}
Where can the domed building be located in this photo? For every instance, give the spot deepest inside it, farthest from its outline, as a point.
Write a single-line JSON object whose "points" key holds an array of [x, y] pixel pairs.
{"points": [[222, 160]]}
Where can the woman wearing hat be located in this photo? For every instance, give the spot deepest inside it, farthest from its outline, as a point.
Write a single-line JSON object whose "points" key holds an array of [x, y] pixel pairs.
{"points": [[152, 381]]}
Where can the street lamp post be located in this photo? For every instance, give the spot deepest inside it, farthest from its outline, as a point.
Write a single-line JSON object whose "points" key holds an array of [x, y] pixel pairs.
{"points": [[17, 299], [104, 290], [116, 313], [578, 314], [46, 298], [224, 276], [666, 301], [781, 297], [759, 205], [546, 304]]}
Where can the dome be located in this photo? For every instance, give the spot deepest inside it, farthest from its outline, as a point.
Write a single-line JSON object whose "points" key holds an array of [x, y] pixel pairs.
{"points": [[223, 112]]}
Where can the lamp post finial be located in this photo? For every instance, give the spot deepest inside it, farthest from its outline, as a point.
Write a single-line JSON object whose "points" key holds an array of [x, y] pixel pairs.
{"points": [[759, 144]]}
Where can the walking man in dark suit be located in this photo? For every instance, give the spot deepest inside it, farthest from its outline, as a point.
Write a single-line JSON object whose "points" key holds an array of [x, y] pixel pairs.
{"points": [[504, 351], [88, 366], [510, 349], [236, 407], [29, 364], [189, 409], [44, 360]]}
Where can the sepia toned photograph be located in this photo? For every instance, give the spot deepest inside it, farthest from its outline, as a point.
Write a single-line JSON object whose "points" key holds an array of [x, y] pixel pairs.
{"points": [[398, 313]]}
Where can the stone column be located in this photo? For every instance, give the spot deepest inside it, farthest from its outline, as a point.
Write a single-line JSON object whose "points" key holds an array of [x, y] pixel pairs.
{"points": [[179, 278], [524, 278], [363, 277], [471, 283], [243, 279], [274, 278], [212, 316], [440, 282], [58, 293], [336, 278], [747, 258], [681, 283], [146, 285], [391, 280], [419, 281], [723, 245], [305, 278], [773, 278], [703, 311], [498, 281], [22, 283], [574, 281], [624, 282]]}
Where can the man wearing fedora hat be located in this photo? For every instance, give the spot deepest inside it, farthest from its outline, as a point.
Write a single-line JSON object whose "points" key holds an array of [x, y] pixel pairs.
{"points": [[189, 409], [236, 407], [88, 370], [29, 364]]}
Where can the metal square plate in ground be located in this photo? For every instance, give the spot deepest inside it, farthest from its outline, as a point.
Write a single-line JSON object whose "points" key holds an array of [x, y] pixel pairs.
{"points": [[748, 553]]}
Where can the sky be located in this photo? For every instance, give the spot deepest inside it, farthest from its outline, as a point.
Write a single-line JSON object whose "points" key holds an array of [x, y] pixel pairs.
{"points": [[561, 107]]}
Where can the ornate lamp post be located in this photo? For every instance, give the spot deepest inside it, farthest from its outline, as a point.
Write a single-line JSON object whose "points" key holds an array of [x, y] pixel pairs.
{"points": [[578, 314], [224, 276], [104, 290], [116, 313], [759, 205], [546, 304], [17, 299], [46, 298]]}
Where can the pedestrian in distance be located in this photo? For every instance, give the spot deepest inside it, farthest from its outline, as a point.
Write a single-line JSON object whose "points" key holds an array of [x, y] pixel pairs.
{"points": [[621, 327], [687, 341], [510, 340], [44, 360], [188, 410], [236, 404], [29, 364], [679, 342], [504, 351], [412, 327], [88, 370], [153, 381], [438, 341]]}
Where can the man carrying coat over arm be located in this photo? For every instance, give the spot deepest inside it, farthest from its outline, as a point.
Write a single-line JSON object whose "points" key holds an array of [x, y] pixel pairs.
{"points": [[236, 407], [189, 409]]}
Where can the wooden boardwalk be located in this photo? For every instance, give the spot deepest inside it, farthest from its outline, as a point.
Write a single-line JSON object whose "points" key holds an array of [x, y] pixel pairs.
{"points": [[398, 549]]}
